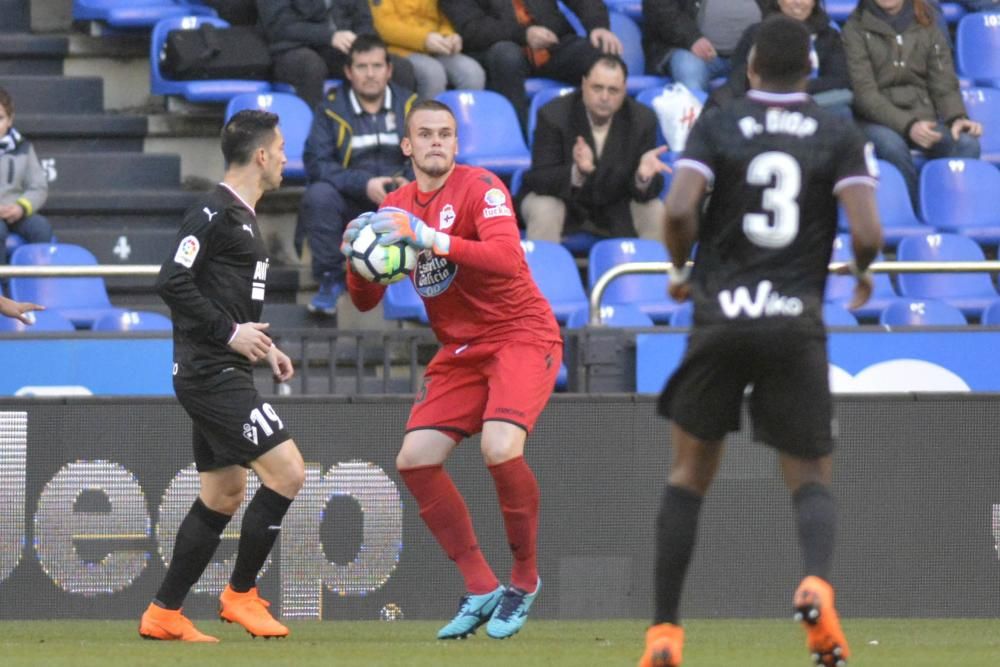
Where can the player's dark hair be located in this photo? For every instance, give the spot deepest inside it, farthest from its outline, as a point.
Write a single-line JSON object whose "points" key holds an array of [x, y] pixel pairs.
{"points": [[6, 101], [425, 105], [608, 60], [781, 51], [364, 44], [245, 132]]}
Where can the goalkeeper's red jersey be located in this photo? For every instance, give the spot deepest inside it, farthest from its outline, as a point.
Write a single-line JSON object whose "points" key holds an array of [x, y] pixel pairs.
{"points": [[482, 290]]}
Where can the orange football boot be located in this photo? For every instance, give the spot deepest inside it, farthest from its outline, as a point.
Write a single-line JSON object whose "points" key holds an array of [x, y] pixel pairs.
{"points": [[664, 645], [250, 610], [824, 637], [170, 624]]}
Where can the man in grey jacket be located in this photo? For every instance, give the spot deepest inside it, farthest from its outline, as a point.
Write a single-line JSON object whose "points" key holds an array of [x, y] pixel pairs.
{"points": [[24, 188]]}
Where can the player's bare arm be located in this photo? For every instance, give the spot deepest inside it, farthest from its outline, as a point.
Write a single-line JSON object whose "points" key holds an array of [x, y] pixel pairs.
{"points": [[861, 210], [281, 364], [681, 228]]}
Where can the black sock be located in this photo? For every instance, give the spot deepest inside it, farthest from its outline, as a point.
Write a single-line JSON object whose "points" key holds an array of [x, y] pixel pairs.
{"points": [[676, 528], [260, 528], [197, 539], [816, 519]]}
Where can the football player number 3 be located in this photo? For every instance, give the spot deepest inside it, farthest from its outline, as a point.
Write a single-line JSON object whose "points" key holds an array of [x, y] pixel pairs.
{"points": [[781, 175], [258, 419]]}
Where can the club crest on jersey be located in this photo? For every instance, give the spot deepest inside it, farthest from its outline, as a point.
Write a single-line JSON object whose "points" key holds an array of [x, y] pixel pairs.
{"points": [[496, 204], [250, 433], [187, 251], [447, 217], [433, 274]]}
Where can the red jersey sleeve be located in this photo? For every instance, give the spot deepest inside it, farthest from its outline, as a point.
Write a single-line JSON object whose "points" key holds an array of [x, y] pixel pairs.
{"points": [[365, 295], [498, 249]]}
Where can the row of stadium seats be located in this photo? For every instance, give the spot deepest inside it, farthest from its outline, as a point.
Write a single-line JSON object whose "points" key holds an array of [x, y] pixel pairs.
{"points": [[82, 303], [966, 296]]}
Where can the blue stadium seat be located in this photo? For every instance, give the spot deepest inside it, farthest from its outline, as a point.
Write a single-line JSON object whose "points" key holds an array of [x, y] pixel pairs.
{"points": [[489, 133], [683, 317], [630, 8], [647, 292], [44, 320], [921, 313], [81, 300], [135, 14], [555, 273], [13, 242], [579, 243], [840, 289], [952, 12], [282, 87], [295, 121], [977, 49], [540, 99], [837, 315], [631, 37], [991, 316], [618, 315], [958, 196], [839, 10], [211, 90], [969, 292], [894, 207], [133, 320], [401, 302], [983, 105]]}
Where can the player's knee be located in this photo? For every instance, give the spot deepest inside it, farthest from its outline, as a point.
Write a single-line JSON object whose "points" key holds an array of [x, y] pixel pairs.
{"points": [[497, 451]]}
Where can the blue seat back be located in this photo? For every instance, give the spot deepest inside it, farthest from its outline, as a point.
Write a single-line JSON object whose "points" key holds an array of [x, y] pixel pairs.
{"points": [[631, 38], [42, 320], [489, 133], [836, 315], [402, 302], [942, 248], [295, 119], [977, 46], [633, 288], [555, 272], [893, 198], [958, 193], [574, 20], [921, 313], [58, 292], [683, 316], [991, 316], [617, 315], [983, 105], [540, 99], [133, 320]]}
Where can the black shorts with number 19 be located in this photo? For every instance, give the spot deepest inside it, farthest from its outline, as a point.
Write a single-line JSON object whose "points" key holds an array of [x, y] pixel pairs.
{"points": [[233, 425]]}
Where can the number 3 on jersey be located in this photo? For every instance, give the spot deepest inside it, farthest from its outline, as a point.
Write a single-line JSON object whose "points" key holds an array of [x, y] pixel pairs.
{"points": [[780, 225]]}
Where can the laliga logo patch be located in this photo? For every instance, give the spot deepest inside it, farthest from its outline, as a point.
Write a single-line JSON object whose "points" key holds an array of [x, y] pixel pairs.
{"points": [[447, 217], [496, 204], [250, 433], [187, 251]]}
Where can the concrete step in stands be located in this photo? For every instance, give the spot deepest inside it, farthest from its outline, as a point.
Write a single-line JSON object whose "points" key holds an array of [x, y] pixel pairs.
{"points": [[26, 54], [54, 94], [83, 133]]}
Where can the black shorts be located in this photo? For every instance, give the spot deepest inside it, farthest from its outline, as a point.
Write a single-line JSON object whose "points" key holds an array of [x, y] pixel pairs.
{"points": [[232, 423], [790, 403]]}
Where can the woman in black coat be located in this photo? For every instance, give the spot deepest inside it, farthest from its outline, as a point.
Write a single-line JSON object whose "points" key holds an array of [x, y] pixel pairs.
{"points": [[830, 84]]}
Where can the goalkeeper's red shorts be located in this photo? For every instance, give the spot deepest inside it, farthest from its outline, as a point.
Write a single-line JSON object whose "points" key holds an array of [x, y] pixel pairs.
{"points": [[465, 385]]}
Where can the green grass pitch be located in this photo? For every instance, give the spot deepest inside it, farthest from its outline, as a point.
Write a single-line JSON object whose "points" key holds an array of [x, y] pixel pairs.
{"points": [[710, 643]]}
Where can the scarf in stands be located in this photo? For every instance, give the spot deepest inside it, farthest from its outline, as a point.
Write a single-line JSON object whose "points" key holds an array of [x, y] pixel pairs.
{"points": [[10, 141], [900, 22]]}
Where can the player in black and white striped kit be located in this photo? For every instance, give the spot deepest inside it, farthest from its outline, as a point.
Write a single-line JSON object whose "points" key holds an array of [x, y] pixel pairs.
{"points": [[779, 165], [214, 282]]}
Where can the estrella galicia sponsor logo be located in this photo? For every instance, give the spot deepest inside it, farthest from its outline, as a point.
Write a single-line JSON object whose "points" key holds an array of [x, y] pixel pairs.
{"points": [[765, 303], [496, 204], [433, 274]]}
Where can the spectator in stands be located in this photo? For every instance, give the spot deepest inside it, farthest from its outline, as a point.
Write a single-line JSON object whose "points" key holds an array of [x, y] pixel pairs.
{"points": [[418, 31], [905, 89], [353, 160], [310, 41], [18, 309], [829, 83], [693, 40], [23, 187], [515, 39], [594, 162]]}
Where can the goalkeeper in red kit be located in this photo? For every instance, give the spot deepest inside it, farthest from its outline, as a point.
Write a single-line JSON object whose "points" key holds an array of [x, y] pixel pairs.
{"points": [[501, 351]]}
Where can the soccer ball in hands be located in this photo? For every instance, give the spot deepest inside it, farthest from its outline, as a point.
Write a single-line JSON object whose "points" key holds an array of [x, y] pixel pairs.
{"points": [[378, 263]]}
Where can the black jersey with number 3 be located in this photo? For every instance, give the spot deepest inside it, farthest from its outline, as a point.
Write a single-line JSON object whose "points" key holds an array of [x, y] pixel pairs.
{"points": [[215, 277], [776, 163]]}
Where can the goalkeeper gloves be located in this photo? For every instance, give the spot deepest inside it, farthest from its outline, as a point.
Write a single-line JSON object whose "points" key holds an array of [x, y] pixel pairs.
{"points": [[394, 225], [352, 230]]}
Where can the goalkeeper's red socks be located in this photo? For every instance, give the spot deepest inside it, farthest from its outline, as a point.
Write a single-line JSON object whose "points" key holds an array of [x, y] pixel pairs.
{"points": [[517, 490]]}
